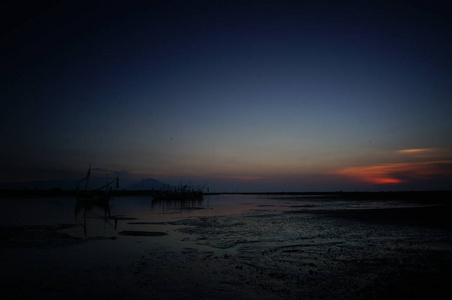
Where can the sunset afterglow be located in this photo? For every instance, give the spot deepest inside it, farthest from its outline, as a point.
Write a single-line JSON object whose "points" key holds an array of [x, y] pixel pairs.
{"points": [[241, 95], [398, 172], [226, 149]]}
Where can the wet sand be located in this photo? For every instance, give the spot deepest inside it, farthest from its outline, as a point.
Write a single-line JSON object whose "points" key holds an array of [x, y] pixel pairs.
{"points": [[399, 253]]}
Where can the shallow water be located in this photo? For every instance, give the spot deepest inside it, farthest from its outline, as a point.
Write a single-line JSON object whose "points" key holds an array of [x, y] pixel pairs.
{"points": [[64, 210], [253, 246], [127, 214]]}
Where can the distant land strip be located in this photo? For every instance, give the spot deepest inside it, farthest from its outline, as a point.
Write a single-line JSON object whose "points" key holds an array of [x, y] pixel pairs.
{"points": [[407, 195]]}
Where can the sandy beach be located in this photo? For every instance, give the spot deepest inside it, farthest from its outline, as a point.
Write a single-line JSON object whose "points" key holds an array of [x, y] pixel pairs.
{"points": [[395, 253]]}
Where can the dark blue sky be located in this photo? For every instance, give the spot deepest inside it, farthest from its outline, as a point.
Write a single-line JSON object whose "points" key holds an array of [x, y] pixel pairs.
{"points": [[241, 95]]}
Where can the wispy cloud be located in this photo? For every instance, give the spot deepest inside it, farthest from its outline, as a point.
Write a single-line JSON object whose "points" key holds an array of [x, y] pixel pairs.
{"points": [[397, 172], [429, 163], [423, 153]]}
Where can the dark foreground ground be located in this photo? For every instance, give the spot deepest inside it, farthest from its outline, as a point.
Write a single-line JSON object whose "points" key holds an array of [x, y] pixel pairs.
{"points": [[403, 253]]}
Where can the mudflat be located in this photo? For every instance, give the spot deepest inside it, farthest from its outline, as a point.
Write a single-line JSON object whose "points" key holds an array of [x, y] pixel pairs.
{"points": [[403, 253]]}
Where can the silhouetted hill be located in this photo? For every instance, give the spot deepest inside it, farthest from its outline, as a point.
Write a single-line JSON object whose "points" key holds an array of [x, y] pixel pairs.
{"points": [[147, 184]]}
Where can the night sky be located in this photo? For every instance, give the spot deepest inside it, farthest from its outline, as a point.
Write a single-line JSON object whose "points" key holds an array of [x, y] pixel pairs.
{"points": [[238, 95]]}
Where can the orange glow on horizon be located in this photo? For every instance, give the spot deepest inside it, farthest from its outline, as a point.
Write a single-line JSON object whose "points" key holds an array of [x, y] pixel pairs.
{"points": [[386, 180], [397, 172]]}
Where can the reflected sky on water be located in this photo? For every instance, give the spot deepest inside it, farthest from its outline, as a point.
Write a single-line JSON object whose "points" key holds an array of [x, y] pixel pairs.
{"points": [[143, 213], [139, 220]]}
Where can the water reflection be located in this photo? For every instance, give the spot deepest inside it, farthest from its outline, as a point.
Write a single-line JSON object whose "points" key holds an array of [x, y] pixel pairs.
{"points": [[90, 209], [167, 206]]}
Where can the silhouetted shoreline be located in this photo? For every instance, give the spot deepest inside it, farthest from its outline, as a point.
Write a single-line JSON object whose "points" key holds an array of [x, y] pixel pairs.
{"points": [[411, 195]]}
